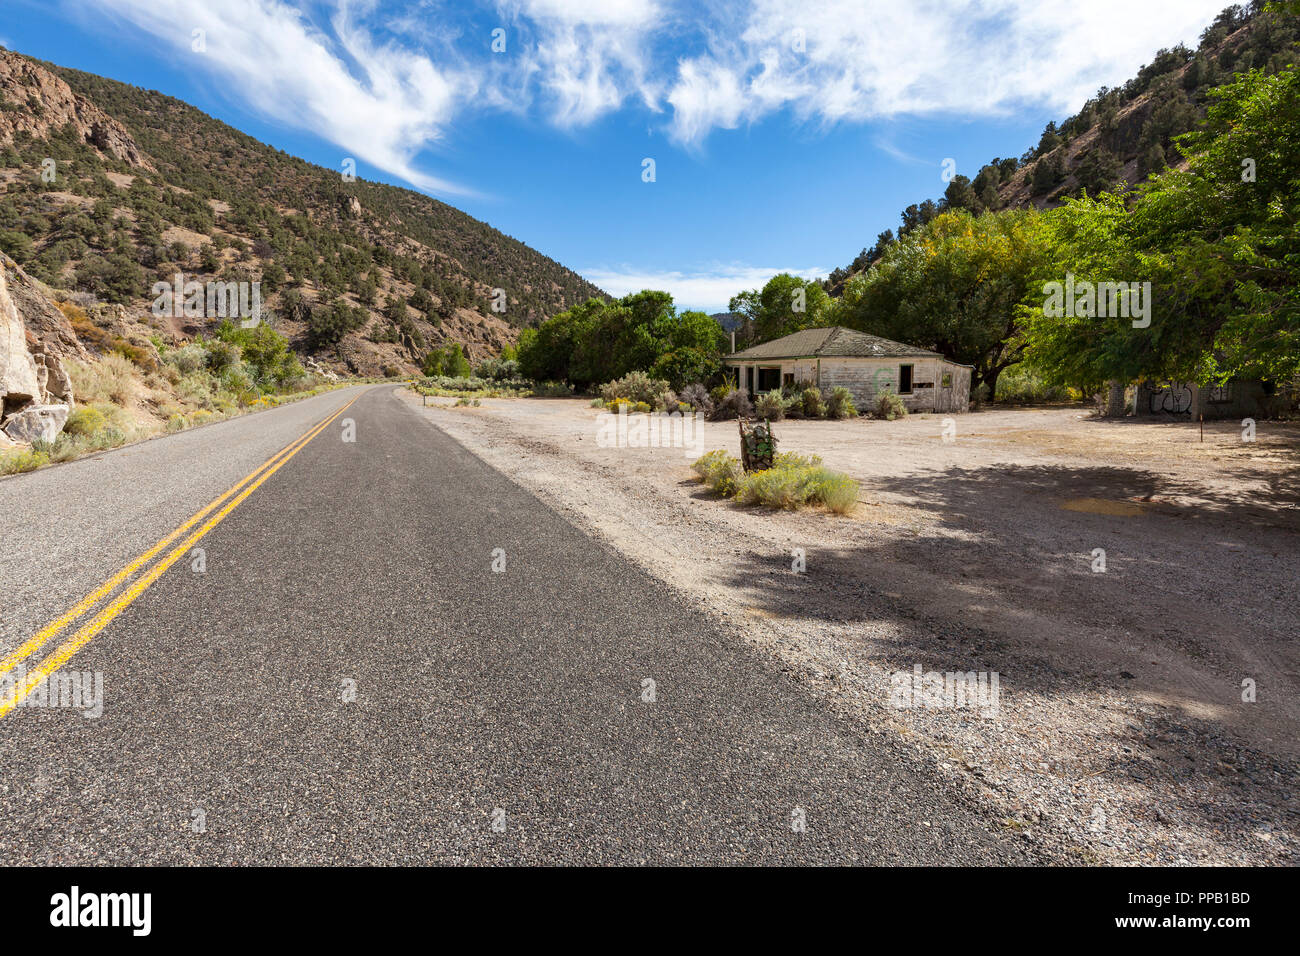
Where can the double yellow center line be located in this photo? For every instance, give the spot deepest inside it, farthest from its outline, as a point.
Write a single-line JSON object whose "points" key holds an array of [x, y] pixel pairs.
{"points": [[222, 506]]}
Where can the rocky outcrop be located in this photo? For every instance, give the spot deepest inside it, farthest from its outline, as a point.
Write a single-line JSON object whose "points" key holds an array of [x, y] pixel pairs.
{"points": [[35, 388], [42, 317], [19, 384], [23, 81], [36, 423]]}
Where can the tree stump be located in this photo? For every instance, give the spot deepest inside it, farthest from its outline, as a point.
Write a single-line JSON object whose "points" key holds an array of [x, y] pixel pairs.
{"points": [[757, 445]]}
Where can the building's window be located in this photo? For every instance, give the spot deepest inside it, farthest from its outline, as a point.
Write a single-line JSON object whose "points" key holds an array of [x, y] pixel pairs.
{"points": [[787, 379], [904, 380], [769, 379], [947, 380], [749, 379]]}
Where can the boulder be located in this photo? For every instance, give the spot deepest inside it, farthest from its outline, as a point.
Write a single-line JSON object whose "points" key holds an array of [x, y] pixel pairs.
{"points": [[19, 382], [37, 422]]}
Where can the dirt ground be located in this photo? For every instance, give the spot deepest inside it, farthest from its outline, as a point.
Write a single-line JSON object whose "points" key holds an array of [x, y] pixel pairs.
{"points": [[1148, 713]]}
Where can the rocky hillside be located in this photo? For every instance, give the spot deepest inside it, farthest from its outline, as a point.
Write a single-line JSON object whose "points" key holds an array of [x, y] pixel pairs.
{"points": [[1121, 135], [106, 189]]}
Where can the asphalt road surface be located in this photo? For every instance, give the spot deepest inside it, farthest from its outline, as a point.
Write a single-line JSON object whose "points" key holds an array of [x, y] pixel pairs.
{"points": [[343, 676]]}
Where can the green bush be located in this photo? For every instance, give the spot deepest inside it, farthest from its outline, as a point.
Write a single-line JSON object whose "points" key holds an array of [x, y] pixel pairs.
{"points": [[770, 406], [840, 404], [890, 406], [813, 406], [640, 388]]}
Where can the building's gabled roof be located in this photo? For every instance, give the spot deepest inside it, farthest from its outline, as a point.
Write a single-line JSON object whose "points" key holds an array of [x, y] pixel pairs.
{"points": [[836, 341]]}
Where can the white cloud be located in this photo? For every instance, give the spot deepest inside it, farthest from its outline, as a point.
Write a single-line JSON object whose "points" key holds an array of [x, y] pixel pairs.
{"points": [[585, 56], [699, 65], [856, 60], [380, 103], [710, 289]]}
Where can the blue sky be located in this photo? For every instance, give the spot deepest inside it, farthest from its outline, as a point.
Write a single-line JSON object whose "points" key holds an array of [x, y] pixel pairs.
{"points": [[785, 133]]}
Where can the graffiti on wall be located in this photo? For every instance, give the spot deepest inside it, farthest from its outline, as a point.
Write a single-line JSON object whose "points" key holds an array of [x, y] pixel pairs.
{"points": [[1172, 399]]}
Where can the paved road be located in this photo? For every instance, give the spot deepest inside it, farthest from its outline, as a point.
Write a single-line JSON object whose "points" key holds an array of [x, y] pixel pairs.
{"points": [[498, 716]]}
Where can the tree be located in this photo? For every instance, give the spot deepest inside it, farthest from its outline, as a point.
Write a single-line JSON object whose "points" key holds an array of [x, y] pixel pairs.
{"points": [[1049, 172], [784, 305], [599, 341], [954, 287], [1219, 242], [960, 194], [327, 325], [1099, 171]]}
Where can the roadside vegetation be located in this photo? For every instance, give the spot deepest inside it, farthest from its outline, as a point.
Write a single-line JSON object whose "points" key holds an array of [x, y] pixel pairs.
{"points": [[793, 481], [137, 391]]}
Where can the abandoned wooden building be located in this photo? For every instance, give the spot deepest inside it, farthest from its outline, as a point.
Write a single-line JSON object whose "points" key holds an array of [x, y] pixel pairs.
{"points": [[864, 364]]}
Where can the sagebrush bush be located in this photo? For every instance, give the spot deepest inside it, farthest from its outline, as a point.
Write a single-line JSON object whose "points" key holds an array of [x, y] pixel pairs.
{"points": [[188, 358], [840, 404], [733, 404], [770, 405], [640, 387], [552, 390], [110, 378], [85, 420], [697, 397], [720, 471], [890, 406], [794, 480], [813, 406]]}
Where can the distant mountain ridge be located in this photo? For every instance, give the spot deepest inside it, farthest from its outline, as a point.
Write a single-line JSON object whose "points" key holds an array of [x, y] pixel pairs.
{"points": [[146, 186]]}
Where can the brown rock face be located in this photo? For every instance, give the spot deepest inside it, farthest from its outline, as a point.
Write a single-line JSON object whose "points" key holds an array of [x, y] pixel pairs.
{"points": [[25, 82]]}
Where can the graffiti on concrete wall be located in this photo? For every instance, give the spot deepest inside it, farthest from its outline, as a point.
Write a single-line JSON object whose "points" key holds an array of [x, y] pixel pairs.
{"points": [[1172, 399]]}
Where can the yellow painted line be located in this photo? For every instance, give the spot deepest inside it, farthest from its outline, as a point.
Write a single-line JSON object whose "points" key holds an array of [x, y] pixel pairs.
{"points": [[55, 627], [81, 637]]}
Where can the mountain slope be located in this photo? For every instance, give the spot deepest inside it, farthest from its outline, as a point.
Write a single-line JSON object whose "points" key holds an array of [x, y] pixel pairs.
{"points": [[362, 274]]}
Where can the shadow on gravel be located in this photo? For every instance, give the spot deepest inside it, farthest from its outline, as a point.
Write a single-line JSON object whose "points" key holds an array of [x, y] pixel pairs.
{"points": [[1003, 584]]}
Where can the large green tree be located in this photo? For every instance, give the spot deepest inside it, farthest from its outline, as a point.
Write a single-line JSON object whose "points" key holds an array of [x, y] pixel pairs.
{"points": [[1219, 242], [953, 285], [600, 340]]}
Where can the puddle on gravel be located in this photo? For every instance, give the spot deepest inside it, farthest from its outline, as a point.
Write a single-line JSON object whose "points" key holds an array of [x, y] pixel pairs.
{"points": [[1105, 506]]}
